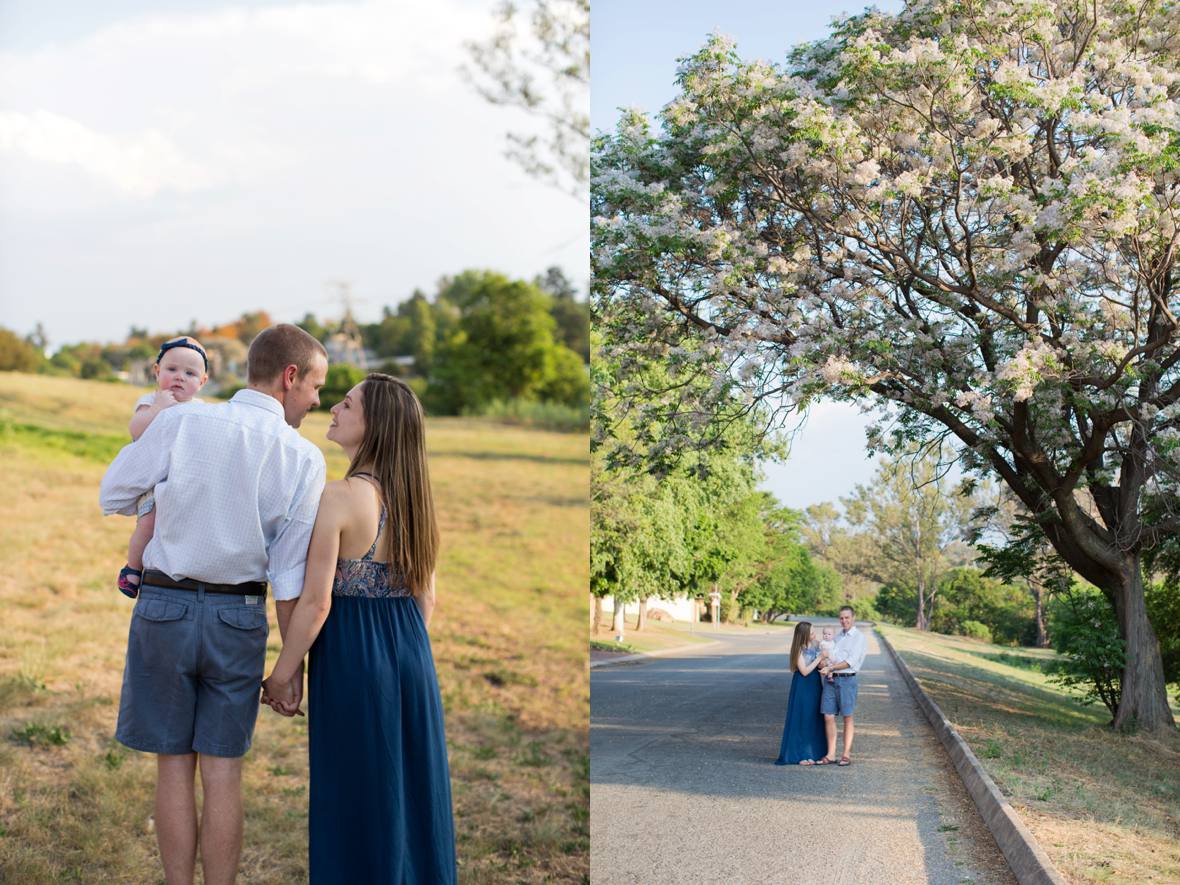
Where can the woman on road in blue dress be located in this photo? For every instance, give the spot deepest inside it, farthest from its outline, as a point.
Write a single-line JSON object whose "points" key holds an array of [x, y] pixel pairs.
{"points": [[804, 740], [380, 798]]}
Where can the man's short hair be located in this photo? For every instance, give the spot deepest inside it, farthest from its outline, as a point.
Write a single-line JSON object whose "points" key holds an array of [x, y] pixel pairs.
{"points": [[277, 347], [848, 608]]}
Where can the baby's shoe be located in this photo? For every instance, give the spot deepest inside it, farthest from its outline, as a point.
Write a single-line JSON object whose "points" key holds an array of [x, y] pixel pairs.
{"points": [[126, 586]]}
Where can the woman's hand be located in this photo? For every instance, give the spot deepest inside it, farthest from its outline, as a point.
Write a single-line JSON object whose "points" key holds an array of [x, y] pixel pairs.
{"points": [[284, 696]]}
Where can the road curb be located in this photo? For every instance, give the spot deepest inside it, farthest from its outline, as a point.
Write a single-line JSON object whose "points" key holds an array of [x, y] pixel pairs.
{"points": [[1025, 857], [660, 652]]}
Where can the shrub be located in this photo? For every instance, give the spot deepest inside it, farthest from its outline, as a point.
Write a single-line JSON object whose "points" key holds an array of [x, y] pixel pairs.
{"points": [[1163, 608], [975, 630], [341, 378], [1085, 631], [544, 416]]}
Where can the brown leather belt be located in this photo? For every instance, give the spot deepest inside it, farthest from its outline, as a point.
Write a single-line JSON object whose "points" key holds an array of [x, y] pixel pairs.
{"points": [[154, 578]]}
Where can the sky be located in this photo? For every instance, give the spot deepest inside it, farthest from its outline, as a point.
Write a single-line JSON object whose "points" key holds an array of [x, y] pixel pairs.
{"points": [[634, 48], [169, 160]]}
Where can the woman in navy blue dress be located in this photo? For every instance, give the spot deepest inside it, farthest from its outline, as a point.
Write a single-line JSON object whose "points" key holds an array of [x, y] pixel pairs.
{"points": [[804, 740], [380, 798]]}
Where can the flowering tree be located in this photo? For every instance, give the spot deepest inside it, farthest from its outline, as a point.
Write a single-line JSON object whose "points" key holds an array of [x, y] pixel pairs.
{"points": [[539, 61], [967, 212]]}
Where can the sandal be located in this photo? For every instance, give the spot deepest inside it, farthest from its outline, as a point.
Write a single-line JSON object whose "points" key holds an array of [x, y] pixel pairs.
{"points": [[126, 587], [826, 761], [807, 762], [844, 760]]}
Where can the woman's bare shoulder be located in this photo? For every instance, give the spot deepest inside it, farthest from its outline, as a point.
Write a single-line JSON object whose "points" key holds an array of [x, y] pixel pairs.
{"points": [[349, 496]]}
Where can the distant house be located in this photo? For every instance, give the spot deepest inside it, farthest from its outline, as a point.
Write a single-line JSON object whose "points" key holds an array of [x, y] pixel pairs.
{"points": [[680, 608], [343, 347]]}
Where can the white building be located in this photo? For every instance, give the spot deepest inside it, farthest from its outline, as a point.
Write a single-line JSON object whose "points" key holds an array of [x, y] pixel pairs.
{"points": [[680, 608]]}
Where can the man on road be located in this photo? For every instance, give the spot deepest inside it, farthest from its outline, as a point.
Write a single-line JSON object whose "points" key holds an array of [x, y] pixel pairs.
{"points": [[839, 692], [236, 489]]}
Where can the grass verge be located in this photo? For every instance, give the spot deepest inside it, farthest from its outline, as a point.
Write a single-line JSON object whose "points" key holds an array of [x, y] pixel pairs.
{"points": [[1104, 806]]}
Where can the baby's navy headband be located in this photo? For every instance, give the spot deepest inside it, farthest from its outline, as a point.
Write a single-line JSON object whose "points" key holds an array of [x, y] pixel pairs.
{"points": [[182, 342]]}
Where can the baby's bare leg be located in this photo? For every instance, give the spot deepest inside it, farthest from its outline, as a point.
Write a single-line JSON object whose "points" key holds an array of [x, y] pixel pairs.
{"points": [[145, 527]]}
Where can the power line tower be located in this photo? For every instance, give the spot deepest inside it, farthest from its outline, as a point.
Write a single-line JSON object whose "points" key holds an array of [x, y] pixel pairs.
{"points": [[346, 345]]}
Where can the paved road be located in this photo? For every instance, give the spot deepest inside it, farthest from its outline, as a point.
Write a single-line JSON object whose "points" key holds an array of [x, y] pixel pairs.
{"points": [[683, 789]]}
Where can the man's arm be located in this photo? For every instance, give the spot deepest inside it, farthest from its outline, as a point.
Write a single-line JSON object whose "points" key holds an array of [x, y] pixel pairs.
{"points": [[138, 467], [856, 655], [286, 558]]}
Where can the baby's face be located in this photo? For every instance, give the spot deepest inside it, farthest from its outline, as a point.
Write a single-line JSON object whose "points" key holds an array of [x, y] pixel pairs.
{"points": [[829, 633], [182, 371]]}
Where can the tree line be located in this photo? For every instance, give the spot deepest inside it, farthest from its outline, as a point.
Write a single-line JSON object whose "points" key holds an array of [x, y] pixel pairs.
{"points": [[482, 344]]}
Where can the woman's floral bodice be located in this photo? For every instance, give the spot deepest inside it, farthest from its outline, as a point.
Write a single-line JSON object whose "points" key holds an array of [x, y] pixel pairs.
{"points": [[365, 577]]}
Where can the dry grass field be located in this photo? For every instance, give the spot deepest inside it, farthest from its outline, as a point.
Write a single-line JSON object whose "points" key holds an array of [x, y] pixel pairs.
{"points": [[1104, 806], [508, 637]]}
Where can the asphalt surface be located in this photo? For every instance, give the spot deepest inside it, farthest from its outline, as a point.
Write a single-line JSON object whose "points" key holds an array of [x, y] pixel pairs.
{"points": [[683, 788]]}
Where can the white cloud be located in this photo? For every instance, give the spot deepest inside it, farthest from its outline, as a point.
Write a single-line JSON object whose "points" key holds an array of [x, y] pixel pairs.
{"points": [[178, 102], [140, 165]]}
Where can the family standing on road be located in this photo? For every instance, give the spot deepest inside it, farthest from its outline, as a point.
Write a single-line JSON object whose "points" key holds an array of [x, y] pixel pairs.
{"points": [[824, 685], [238, 497]]}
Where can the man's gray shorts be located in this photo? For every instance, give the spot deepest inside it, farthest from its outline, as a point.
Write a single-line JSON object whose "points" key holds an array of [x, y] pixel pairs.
{"points": [[838, 696], [193, 672]]}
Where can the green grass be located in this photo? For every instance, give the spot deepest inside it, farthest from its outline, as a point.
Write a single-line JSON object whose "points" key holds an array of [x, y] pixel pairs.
{"points": [[89, 446], [1104, 806], [660, 635], [602, 645], [506, 636]]}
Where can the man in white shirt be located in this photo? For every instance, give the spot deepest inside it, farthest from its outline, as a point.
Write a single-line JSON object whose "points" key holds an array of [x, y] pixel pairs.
{"points": [[236, 490], [839, 693]]}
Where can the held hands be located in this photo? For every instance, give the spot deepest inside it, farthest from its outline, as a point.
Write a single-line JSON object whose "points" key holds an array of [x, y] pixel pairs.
{"points": [[284, 697]]}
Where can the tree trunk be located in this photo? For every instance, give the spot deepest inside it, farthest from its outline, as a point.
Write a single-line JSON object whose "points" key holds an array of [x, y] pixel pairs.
{"points": [[1144, 701], [596, 618], [617, 624], [641, 620], [922, 623], [1038, 593]]}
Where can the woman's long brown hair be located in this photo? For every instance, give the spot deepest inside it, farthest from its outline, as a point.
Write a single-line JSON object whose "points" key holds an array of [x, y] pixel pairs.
{"points": [[802, 637], [394, 449]]}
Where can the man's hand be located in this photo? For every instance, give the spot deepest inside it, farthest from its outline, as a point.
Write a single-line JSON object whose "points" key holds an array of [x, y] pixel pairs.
{"points": [[284, 697]]}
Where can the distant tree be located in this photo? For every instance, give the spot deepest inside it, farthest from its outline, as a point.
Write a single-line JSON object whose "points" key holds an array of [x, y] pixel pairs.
{"points": [[571, 315], [420, 337], [502, 347], [341, 378], [250, 324], [916, 523], [18, 354], [966, 595], [538, 60], [567, 380], [38, 338], [831, 541], [787, 579], [312, 326]]}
